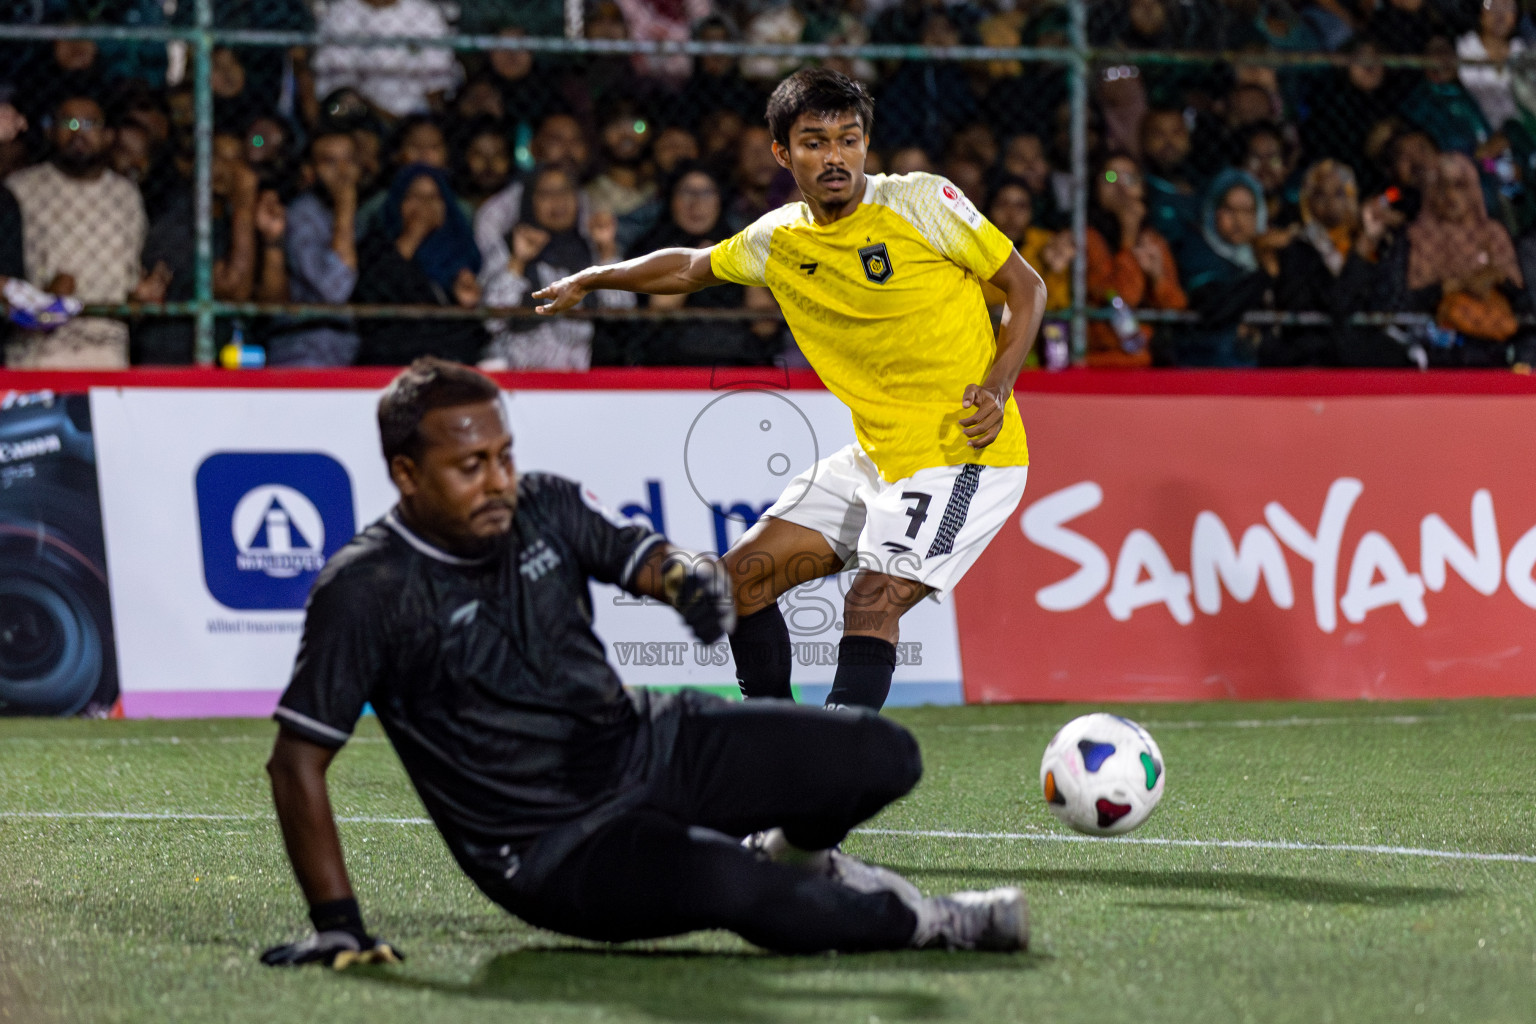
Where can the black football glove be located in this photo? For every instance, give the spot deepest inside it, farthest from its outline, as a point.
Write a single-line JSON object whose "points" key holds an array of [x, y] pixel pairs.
{"points": [[700, 589], [335, 948], [338, 941]]}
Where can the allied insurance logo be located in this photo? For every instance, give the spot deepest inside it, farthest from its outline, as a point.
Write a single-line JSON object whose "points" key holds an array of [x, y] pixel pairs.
{"points": [[269, 521]]}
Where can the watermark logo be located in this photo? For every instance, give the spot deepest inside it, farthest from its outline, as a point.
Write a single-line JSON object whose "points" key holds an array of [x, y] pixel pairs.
{"points": [[744, 445], [269, 521]]}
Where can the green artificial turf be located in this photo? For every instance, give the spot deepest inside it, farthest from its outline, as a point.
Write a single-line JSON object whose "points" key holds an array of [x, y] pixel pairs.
{"points": [[105, 919]]}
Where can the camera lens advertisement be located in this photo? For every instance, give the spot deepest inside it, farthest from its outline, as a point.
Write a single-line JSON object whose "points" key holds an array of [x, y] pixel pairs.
{"points": [[56, 649]]}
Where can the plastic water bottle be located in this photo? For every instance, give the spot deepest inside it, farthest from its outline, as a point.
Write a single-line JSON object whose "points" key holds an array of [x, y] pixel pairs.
{"points": [[1057, 348], [1125, 325], [1441, 337], [237, 355]]}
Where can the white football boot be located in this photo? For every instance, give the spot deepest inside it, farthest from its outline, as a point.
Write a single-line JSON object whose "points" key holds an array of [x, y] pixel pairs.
{"points": [[996, 920]]}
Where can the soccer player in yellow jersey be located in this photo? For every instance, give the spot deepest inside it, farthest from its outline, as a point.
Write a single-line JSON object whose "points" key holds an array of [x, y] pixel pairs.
{"points": [[879, 278]]}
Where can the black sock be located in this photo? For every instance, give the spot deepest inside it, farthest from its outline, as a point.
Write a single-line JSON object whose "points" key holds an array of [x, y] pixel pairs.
{"points": [[864, 667], [760, 646]]}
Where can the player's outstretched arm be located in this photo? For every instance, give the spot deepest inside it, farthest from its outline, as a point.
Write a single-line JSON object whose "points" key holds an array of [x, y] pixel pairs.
{"points": [[297, 768], [694, 583], [1023, 309], [663, 272]]}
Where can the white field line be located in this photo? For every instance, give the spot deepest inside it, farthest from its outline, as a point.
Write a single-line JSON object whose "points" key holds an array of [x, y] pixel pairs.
{"points": [[1048, 837], [1220, 844]]}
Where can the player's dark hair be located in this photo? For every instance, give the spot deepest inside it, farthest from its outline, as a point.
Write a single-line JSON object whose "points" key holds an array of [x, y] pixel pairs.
{"points": [[821, 92], [428, 383]]}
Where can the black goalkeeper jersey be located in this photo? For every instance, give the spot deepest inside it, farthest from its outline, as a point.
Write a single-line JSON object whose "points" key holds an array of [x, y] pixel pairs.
{"points": [[486, 674]]}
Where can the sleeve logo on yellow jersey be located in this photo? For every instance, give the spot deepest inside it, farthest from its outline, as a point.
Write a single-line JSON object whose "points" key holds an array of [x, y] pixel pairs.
{"points": [[877, 263], [956, 201]]}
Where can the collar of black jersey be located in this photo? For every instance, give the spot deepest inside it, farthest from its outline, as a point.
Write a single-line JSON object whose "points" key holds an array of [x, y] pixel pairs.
{"points": [[392, 520]]}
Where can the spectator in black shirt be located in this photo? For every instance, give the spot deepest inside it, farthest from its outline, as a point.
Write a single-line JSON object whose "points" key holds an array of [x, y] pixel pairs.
{"points": [[464, 617], [1347, 105], [1333, 265], [1403, 26], [421, 253], [695, 219]]}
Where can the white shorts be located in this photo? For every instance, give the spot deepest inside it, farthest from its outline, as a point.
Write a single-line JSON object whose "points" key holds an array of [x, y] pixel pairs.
{"points": [[930, 526]]}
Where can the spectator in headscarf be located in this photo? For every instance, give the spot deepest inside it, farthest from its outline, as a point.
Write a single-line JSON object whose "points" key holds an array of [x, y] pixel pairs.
{"points": [[1128, 259], [422, 252], [419, 139], [546, 244], [1224, 273], [1454, 246], [694, 218], [1332, 266]]}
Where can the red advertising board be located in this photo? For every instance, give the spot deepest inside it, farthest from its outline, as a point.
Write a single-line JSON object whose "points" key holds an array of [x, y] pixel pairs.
{"points": [[1262, 546]]}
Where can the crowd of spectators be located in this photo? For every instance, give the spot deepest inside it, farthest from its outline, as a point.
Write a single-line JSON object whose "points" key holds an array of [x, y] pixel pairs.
{"points": [[449, 180]]}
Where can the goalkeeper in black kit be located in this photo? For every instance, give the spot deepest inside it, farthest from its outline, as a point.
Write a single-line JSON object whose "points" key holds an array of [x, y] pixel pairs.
{"points": [[464, 617]]}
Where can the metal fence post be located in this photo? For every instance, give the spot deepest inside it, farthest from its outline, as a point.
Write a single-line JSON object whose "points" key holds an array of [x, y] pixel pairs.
{"points": [[1078, 39], [202, 180]]}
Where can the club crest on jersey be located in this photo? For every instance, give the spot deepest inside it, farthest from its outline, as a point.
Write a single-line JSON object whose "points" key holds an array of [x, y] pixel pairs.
{"points": [[877, 262]]}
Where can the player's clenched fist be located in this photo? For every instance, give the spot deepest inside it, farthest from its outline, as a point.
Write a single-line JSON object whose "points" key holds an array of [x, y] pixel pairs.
{"points": [[983, 425]]}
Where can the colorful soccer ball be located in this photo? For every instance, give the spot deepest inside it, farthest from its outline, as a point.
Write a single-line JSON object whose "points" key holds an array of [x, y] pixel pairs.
{"points": [[1102, 774]]}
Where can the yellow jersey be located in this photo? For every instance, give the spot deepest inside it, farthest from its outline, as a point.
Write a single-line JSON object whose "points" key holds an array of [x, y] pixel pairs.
{"points": [[886, 304]]}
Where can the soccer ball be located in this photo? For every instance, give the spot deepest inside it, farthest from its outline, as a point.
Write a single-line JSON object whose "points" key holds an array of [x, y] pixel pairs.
{"points": [[1102, 774]]}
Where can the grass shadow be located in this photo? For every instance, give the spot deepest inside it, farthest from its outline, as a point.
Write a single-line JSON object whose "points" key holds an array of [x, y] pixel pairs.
{"points": [[697, 985], [1289, 888], [1182, 906]]}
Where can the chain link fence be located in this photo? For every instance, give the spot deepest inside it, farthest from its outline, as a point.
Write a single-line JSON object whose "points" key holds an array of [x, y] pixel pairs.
{"points": [[330, 182]]}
